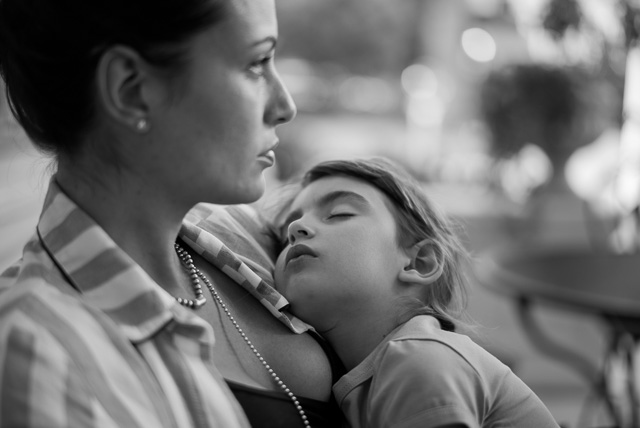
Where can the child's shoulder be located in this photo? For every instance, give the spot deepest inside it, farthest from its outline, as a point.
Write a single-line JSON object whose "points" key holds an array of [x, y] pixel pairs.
{"points": [[421, 360], [421, 342]]}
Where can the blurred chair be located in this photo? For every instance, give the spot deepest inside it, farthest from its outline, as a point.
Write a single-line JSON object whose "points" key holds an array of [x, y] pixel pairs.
{"points": [[604, 285]]}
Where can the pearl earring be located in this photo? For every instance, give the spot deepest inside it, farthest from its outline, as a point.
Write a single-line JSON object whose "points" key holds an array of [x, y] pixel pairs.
{"points": [[142, 125]]}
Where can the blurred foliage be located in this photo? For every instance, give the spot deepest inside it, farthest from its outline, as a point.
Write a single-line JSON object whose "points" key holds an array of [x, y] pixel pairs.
{"points": [[561, 107], [550, 106], [366, 37], [631, 23], [562, 15]]}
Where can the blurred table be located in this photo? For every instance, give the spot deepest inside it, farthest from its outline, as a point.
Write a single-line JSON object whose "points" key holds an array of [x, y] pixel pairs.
{"points": [[601, 284]]}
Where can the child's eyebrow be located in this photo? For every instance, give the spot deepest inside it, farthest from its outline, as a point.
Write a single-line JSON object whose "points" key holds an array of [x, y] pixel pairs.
{"points": [[345, 195], [328, 199]]}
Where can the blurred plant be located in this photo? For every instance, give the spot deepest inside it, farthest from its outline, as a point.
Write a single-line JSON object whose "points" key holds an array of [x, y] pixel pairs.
{"points": [[562, 15], [537, 116], [560, 108], [595, 36], [534, 104], [630, 23]]}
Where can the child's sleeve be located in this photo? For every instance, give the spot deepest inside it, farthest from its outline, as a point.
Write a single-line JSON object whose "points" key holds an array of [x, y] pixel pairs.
{"points": [[429, 383], [422, 383]]}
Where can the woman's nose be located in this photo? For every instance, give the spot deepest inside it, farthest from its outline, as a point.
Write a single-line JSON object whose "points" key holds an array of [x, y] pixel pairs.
{"points": [[282, 108], [298, 231]]}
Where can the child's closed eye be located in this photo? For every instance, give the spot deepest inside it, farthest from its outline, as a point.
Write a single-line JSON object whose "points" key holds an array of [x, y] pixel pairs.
{"points": [[340, 215]]}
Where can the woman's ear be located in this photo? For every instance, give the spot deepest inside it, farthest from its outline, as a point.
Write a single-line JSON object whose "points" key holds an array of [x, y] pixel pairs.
{"points": [[120, 76], [425, 264]]}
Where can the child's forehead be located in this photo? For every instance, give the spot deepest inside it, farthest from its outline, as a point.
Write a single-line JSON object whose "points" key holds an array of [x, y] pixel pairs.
{"points": [[337, 188], [331, 190]]}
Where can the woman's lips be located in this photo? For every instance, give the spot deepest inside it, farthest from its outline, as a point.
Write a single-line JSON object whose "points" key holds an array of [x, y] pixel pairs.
{"points": [[268, 158]]}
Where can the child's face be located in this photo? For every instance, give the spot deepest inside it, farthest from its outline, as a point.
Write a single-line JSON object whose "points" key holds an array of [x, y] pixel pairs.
{"points": [[343, 252]]}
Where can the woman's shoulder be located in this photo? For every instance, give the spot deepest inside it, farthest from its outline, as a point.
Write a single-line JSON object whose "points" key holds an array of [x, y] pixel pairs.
{"points": [[35, 309], [32, 276], [36, 299]]}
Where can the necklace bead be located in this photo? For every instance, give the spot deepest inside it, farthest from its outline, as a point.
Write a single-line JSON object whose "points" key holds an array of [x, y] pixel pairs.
{"points": [[187, 262], [192, 268]]}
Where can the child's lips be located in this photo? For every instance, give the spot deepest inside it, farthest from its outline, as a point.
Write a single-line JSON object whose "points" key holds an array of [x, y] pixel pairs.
{"points": [[299, 250]]}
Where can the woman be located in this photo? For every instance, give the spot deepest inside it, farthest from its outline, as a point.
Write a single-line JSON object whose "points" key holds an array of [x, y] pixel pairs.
{"points": [[149, 108]]}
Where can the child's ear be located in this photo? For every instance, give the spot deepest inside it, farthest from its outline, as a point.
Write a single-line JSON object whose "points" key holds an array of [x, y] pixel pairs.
{"points": [[425, 264]]}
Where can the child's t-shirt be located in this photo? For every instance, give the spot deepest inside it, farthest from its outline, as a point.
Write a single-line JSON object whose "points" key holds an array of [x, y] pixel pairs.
{"points": [[422, 376]]}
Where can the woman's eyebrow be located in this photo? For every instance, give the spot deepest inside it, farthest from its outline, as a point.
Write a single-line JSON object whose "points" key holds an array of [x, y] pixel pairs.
{"points": [[269, 39]]}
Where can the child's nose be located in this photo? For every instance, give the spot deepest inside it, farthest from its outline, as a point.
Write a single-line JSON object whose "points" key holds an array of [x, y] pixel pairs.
{"points": [[298, 230]]}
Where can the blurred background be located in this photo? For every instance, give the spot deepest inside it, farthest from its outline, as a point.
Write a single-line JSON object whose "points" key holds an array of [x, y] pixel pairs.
{"points": [[521, 118]]}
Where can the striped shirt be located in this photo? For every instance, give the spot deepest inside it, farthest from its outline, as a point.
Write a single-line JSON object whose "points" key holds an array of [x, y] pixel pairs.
{"points": [[88, 339]]}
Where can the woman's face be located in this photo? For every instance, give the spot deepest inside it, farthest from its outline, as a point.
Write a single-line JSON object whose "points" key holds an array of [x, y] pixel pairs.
{"points": [[217, 125]]}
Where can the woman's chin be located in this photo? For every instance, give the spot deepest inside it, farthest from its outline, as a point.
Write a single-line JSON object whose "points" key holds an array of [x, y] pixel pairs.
{"points": [[244, 195]]}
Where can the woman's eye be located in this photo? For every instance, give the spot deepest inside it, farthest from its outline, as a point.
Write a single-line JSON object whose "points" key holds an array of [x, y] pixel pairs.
{"points": [[259, 68]]}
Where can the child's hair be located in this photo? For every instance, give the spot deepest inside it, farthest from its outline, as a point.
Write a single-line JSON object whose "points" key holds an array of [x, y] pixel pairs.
{"points": [[417, 220]]}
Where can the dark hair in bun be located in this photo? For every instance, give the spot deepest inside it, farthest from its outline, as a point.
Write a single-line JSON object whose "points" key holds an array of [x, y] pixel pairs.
{"points": [[49, 51]]}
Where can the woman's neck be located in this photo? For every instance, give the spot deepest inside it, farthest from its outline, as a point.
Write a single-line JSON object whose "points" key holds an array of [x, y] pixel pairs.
{"points": [[136, 217]]}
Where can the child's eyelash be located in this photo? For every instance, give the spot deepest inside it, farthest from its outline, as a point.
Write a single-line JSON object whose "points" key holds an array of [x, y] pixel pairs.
{"points": [[340, 215]]}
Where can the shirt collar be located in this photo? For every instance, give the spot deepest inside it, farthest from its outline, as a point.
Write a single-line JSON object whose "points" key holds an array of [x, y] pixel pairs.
{"points": [[107, 278], [248, 264]]}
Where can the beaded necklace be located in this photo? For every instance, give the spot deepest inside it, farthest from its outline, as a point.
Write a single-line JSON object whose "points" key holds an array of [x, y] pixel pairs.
{"points": [[195, 275]]}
